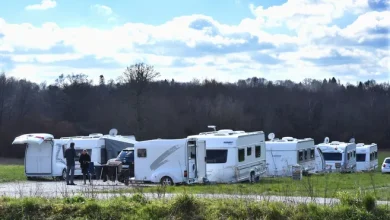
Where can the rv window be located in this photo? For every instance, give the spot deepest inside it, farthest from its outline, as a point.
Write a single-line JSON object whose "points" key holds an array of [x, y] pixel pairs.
{"points": [[258, 151], [376, 154], [305, 152], [300, 156], [312, 154], [371, 156], [354, 153], [360, 157], [333, 156], [79, 151], [249, 151], [141, 153], [348, 155], [216, 156], [241, 155]]}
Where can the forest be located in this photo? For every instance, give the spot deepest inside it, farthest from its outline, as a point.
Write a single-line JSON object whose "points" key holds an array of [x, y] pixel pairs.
{"points": [[139, 104]]}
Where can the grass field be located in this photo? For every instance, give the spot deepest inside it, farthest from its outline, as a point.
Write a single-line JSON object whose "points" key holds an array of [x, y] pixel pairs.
{"points": [[317, 186]]}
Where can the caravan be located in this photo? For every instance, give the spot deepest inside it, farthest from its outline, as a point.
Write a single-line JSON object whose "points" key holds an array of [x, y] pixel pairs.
{"points": [[283, 154], [234, 156], [366, 157], [170, 161], [44, 155], [339, 156]]}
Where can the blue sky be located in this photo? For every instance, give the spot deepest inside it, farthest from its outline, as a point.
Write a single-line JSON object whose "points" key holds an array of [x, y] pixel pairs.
{"points": [[222, 39]]}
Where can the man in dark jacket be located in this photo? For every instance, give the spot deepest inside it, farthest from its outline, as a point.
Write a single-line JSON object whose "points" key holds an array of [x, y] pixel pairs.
{"points": [[84, 160], [70, 154]]}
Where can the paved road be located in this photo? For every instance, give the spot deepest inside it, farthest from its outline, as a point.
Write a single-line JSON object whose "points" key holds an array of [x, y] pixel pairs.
{"points": [[60, 189]]}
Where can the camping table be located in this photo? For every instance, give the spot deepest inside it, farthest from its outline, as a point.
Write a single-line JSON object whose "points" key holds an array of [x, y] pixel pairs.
{"points": [[108, 169]]}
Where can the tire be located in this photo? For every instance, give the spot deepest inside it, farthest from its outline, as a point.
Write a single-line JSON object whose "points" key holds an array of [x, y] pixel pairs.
{"points": [[166, 181], [252, 178]]}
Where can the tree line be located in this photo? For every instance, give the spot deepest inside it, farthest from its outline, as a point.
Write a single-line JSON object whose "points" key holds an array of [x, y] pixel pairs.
{"points": [[137, 103]]}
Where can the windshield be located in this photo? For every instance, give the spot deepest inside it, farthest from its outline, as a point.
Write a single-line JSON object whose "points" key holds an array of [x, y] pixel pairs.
{"points": [[216, 156], [126, 154], [387, 161], [332, 156]]}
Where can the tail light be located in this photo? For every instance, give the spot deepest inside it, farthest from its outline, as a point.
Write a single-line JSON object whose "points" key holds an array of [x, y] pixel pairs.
{"points": [[185, 173], [384, 165]]}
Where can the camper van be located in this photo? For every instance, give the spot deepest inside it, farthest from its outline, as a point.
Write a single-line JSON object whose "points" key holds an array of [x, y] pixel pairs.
{"points": [[366, 157], [234, 156], [170, 162], [283, 154], [339, 156], [44, 155]]}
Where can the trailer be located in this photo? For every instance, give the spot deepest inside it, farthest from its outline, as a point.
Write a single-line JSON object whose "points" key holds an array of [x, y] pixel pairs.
{"points": [[339, 156], [283, 154], [234, 156], [366, 157], [44, 155], [170, 161]]}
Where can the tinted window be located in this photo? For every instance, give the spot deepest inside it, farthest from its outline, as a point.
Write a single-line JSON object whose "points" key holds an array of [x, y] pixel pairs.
{"points": [[249, 151], [300, 156], [376, 154], [141, 152], [387, 161], [306, 152], [312, 153], [241, 155], [354, 153], [360, 157], [216, 156], [126, 154], [332, 156], [257, 151]]}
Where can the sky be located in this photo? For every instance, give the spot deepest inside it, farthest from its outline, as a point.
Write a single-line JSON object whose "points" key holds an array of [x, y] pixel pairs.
{"points": [[226, 40]]}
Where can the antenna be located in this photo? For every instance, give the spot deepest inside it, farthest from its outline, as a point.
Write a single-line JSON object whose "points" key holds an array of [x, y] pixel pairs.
{"points": [[326, 141], [352, 140], [271, 136], [113, 132], [213, 127]]}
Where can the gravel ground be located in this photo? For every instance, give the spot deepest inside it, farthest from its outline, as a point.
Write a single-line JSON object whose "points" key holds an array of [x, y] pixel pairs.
{"points": [[60, 189]]}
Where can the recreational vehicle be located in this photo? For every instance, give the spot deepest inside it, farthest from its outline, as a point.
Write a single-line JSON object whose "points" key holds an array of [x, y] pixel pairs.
{"points": [[339, 156], [44, 155], [234, 156], [366, 157], [283, 154], [170, 161]]}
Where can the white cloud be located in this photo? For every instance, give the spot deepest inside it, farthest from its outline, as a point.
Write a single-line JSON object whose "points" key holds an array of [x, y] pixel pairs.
{"points": [[199, 46], [44, 5], [102, 9]]}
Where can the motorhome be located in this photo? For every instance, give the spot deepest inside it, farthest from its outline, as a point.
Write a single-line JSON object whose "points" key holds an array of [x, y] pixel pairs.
{"points": [[44, 155], [283, 154], [170, 161], [366, 157], [234, 156], [339, 156]]}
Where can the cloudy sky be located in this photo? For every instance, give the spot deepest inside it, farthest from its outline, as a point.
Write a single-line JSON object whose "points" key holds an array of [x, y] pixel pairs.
{"points": [[222, 39]]}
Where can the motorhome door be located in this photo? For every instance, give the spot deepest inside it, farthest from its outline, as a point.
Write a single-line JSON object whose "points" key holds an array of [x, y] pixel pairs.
{"points": [[201, 159], [191, 149]]}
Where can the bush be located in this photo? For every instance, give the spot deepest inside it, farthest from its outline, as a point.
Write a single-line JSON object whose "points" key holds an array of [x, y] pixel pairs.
{"points": [[187, 207]]}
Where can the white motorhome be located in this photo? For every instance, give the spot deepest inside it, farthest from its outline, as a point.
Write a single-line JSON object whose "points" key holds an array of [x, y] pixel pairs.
{"points": [[44, 155], [283, 154], [339, 156], [366, 157], [234, 156], [170, 161]]}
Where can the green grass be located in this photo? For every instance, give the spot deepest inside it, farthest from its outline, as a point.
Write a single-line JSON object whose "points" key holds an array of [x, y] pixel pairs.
{"points": [[187, 207], [9, 173]]}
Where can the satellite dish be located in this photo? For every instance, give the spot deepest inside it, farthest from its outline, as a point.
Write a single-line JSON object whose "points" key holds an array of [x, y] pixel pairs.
{"points": [[271, 136], [326, 141], [213, 127], [352, 140], [113, 132]]}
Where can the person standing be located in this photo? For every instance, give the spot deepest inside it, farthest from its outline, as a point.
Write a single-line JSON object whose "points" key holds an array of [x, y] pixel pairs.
{"points": [[70, 154], [84, 160]]}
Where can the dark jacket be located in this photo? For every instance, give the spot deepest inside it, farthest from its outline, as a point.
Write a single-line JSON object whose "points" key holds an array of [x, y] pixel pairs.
{"points": [[70, 154], [84, 158]]}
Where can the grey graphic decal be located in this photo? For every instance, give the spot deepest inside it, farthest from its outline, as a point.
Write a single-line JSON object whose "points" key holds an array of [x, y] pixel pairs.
{"points": [[162, 158]]}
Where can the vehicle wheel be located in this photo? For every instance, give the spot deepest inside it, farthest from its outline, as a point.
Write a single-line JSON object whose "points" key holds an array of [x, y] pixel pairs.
{"points": [[30, 178], [166, 181], [63, 176], [252, 178]]}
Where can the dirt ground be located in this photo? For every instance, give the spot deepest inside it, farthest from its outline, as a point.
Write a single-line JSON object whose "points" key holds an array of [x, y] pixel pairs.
{"points": [[11, 161]]}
